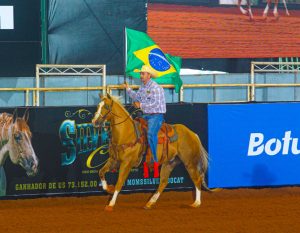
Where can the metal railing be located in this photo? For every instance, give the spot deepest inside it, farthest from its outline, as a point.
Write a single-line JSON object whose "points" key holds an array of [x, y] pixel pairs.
{"points": [[272, 67], [109, 88], [55, 70], [52, 70]]}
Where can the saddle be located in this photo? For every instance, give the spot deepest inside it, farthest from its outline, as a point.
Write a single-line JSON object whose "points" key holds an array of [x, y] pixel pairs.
{"points": [[166, 135]]}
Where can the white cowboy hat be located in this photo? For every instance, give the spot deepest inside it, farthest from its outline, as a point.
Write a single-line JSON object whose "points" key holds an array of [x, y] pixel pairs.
{"points": [[147, 69]]}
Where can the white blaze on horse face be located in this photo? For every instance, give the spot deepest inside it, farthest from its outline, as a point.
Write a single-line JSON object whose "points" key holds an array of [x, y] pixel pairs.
{"points": [[98, 113]]}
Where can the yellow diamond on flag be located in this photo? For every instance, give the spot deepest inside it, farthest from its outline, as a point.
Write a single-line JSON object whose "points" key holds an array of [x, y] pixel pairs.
{"points": [[154, 57]]}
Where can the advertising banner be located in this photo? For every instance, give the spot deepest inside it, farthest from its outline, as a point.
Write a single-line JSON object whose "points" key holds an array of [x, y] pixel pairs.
{"points": [[254, 144], [57, 151]]}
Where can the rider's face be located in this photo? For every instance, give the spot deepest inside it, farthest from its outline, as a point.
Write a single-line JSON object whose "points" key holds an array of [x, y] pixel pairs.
{"points": [[145, 77]]}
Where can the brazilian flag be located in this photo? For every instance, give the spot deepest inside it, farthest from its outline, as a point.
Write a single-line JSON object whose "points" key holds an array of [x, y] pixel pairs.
{"points": [[142, 50]]}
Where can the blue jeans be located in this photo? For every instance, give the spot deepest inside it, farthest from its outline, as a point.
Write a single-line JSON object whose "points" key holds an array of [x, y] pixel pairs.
{"points": [[154, 123]]}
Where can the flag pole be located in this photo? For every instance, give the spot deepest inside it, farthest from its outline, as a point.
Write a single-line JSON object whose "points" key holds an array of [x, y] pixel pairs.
{"points": [[125, 58]]}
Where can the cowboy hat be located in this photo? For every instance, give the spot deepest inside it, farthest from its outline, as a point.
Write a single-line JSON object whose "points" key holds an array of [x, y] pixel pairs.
{"points": [[147, 69]]}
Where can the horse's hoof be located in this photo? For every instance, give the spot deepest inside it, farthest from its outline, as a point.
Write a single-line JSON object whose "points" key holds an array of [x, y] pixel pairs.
{"points": [[110, 189], [276, 15], [109, 208], [265, 16], [148, 206], [243, 11], [251, 17], [195, 205]]}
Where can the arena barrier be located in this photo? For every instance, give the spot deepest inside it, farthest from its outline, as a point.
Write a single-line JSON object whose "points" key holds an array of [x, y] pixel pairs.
{"points": [[71, 151], [249, 145], [254, 144]]}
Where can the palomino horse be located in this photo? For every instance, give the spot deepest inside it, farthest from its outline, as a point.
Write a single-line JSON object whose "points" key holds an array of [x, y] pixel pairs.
{"points": [[15, 142], [265, 14], [126, 151]]}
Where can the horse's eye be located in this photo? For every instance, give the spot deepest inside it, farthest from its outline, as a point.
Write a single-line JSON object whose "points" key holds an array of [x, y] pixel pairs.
{"points": [[18, 137], [106, 107]]}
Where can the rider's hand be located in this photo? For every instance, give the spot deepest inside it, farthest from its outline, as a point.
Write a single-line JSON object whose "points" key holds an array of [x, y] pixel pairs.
{"points": [[125, 85], [137, 104]]}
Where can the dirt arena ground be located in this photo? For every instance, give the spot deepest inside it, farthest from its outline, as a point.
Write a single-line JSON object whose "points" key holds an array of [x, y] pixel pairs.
{"points": [[237, 210], [218, 32]]}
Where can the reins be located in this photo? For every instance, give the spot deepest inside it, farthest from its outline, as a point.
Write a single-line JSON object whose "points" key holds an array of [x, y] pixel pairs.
{"points": [[117, 147]]}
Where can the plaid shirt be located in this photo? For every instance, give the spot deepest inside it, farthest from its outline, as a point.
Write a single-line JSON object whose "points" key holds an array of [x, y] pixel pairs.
{"points": [[151, 97]]}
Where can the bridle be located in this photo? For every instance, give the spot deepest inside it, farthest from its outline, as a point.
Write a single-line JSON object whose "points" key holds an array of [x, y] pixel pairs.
{"points": [[109, 108]]}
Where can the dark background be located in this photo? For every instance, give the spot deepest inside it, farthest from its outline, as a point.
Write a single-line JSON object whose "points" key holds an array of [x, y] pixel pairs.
{"points": [[20, 48]]}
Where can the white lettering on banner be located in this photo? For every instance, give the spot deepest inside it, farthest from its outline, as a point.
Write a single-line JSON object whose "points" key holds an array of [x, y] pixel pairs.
{"points": [[272, 146]]}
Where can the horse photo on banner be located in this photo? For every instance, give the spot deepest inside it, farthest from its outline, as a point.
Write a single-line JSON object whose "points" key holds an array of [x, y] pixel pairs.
{"points": [[15, 143]]}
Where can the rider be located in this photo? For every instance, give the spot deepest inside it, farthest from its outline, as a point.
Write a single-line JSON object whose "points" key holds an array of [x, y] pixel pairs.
{"points": [[150, 98]]}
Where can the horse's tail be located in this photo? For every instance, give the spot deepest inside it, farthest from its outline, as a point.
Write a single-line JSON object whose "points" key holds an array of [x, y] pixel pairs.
{"points": [[203, 158], [204, 166], [204, 185]]}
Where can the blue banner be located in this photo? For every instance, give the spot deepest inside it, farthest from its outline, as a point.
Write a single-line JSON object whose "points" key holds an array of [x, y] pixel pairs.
{"points": [[254, 144]]}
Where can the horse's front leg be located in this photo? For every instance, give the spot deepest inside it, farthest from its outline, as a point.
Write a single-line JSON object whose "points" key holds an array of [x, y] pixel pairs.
{"points": [[250, 10], [244, 12], [275, 11], [286, 9], [102, 173], [125, 168], [265, 14]]}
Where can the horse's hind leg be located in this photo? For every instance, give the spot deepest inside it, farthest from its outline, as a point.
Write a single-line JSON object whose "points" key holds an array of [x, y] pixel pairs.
{"points": [[197, 179], [123, 174], [165, 172], [286, 8]]}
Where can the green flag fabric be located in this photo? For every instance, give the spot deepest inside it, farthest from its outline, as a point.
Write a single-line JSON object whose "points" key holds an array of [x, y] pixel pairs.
{"points": [[142, 50]]}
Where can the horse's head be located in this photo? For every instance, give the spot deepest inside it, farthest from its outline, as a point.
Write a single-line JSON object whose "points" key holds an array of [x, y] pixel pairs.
{"points": [[20, 148], [104, 110]]}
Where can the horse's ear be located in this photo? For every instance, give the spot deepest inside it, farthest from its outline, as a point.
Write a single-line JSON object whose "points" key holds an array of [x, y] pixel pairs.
{"points": [[26, 115], [100, 96], [108, 95], [15, 115]]}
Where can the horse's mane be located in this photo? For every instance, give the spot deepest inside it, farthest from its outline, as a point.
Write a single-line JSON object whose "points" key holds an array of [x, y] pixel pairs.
{"points": [[6, 120], [117, 99]]}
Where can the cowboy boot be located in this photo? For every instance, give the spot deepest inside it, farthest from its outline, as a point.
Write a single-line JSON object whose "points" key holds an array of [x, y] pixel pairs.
{"points": [[156, 169], [146, 170]]}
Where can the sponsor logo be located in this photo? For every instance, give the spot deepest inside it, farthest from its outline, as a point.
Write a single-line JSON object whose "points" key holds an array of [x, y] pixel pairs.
{"points": [[259, 144]]}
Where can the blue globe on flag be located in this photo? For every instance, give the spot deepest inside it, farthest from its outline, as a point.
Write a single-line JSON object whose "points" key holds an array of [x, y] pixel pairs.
{"points": [[158, 60]]}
